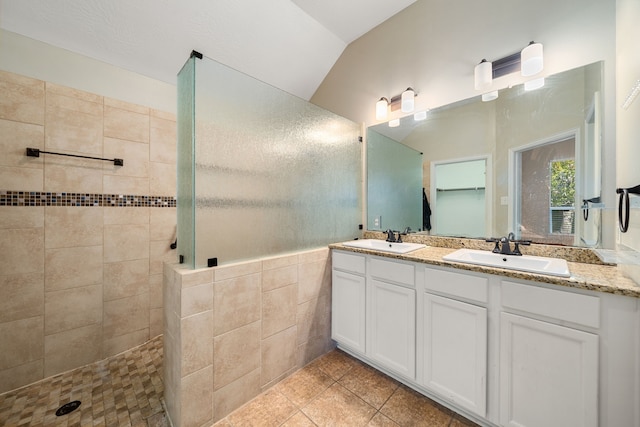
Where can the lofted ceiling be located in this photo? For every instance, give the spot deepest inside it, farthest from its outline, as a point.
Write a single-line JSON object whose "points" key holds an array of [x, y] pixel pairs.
{"points": [[290, 44]]}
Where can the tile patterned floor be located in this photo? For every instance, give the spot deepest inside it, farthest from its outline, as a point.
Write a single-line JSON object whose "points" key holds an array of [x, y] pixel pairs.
{"points": [[338, 390], [124, 390]]}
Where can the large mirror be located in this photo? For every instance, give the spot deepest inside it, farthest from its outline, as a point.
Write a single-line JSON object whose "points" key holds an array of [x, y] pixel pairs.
{"points": [[528, 162]]}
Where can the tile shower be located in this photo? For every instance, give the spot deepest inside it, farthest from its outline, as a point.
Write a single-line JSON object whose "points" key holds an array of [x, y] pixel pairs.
{"points": [[83, 241]]}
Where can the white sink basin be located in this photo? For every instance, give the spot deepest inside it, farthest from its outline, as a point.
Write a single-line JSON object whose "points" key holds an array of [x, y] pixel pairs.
{"points": [[528, 263], [384, 246]]}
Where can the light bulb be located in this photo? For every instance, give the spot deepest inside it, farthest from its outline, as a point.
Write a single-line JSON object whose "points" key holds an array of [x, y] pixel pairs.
{"points": [[483, 75], [381, 108], [407, 100]]}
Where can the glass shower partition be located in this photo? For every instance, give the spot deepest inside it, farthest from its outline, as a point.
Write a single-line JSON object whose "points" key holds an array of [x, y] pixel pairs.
{"points": [[261, 172]]}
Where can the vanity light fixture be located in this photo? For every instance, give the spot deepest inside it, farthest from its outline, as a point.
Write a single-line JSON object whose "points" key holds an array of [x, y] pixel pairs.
{"points": [[534, 84], [394, 123], [404, 101], [420, 115], [407, 100], [483, 75], [489, 96], [381, 108], [531, 58]]}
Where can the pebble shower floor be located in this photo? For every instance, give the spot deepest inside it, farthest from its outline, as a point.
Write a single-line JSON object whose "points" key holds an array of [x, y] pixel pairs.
{"points": [[124, 390]]}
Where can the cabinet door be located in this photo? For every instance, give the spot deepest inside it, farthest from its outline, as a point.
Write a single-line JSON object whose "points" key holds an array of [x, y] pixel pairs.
{"points": [[393, 320], [348, 306], [548, 374], [455, 352]]}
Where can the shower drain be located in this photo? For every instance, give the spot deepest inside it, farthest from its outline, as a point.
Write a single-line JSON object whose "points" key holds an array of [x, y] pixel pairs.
{"points": [[68, 408]]}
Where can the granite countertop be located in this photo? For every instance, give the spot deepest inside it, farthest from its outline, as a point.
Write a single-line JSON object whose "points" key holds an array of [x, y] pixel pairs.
{"points": [[594, 276]]}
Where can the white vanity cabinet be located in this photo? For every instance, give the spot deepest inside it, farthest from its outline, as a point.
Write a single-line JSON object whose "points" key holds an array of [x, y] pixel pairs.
{"points": [[392, 311], [348, 301], [454, 344], [548, 368], [498, 350]]}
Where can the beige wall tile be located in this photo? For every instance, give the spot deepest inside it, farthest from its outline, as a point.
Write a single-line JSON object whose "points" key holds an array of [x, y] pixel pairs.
{"points": [[126, 278], [237, 270], [123, 124], [279, 309], [22, 98], [115, 345], [235, 394], [21, 179], [72, 309], [196, 343], [162, 224], [155, 291], [126, 216], [21, 341], [279, 262], [70, 349], [279, 277], [195, 277], [125, 315], [162, 179], [235, 354], [126, 242], [18, 376], [313, 278], [197, 299], [59, 91], [236, 302], [67, 227], [73, 121], [163, 139], [314, 318], [313, 349], [21, 296], [197, 398], [159, 253], [21, 217], [156, 325], [134, 154], [320, 254], [15, 137], [73, 267], [127, 106], [22, 251], [125, 185], [72, 175], [278, 354], [162, 114]]}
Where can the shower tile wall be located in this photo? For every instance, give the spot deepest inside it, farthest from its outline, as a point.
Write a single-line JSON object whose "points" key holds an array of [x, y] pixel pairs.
{"points": [[234, 331], [80, 272]]}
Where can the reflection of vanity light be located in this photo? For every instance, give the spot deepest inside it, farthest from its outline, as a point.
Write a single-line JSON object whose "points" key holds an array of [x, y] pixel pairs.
{"points": [[483, 75], [534, 84], [420, 115], [394, 123], [531, 59], [489, 96]]}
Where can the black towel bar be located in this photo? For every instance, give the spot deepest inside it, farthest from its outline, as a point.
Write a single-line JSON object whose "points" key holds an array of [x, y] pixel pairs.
{"points": [[623, 201], [35, 152]]}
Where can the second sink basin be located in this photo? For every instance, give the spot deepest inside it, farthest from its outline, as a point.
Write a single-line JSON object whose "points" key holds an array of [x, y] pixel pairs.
{"points": [[384, 246], [528, 263]]}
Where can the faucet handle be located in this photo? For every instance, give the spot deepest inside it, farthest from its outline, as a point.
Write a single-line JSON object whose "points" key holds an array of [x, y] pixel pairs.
{"points": [[496, 249]]}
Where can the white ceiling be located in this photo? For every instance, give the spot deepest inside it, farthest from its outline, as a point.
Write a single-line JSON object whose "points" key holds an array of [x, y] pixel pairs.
{"points": [[291, 44]]}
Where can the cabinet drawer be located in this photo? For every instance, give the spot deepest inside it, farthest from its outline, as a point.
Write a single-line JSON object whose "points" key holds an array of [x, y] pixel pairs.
{"points": [[458, 285], [393, 271], [348, 262], [566, 306]]}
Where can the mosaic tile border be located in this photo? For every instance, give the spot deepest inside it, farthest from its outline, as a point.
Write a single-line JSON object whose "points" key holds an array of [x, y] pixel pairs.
{"points": [[41, 198]]}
